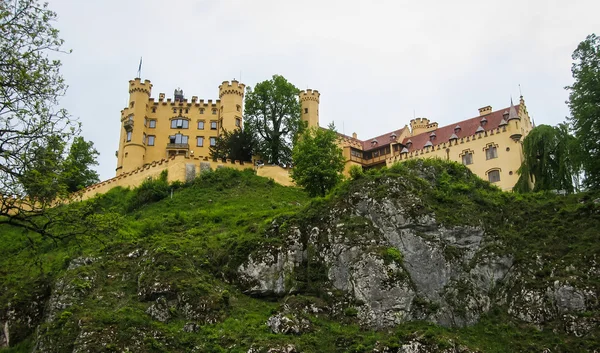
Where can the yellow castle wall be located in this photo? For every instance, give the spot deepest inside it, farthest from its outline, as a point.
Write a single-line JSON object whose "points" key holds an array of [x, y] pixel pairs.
{"points": [[144, 112], [507, 163], [277, 173], [176, 169]]}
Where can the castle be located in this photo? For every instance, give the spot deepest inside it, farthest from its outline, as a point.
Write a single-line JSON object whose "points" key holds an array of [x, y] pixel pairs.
{"points": [[154, 130], [178, 128]]}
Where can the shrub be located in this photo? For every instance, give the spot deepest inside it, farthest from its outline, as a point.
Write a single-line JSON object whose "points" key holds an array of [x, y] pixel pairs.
{"points": [[151, 190]]}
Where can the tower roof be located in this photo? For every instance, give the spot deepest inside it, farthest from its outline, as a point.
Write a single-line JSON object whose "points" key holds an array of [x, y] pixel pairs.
{"points": [[512, 112]]}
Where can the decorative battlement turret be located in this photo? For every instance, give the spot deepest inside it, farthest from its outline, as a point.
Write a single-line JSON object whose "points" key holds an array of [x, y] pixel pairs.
{"points": [[418, 122], [420, 125], [233, 87], [309, 103], [137, 85], [485, 110], [310, 95]]}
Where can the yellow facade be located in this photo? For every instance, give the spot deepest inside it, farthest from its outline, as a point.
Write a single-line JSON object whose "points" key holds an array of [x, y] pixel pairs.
{"points": [[490, 144], [152, 130]]}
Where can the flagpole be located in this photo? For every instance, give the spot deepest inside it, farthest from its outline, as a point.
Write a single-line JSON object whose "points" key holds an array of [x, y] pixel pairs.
{"points": [[140, 69]]}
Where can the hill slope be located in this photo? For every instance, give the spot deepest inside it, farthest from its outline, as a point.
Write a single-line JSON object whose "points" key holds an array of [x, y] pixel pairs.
{"points": [[422, 257]]}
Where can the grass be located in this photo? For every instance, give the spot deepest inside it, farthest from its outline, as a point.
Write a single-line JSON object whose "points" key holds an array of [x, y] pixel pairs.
{"points": [[194, 241]]}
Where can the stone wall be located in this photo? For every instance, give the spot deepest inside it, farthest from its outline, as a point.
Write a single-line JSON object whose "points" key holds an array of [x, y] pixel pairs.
{"points": [[182, 168]]}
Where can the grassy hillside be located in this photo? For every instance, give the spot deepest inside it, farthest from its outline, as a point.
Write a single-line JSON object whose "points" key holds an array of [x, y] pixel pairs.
{"points": [[186, 248]]}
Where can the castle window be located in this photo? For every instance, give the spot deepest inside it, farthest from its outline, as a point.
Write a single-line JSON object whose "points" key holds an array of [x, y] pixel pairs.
{"points": [[144, 138], [179, 124], [153, 109], [491, 152], [494, 176], [305, 110], [152, 124], [238, 107], [175, 110], [131, 104], [356, 153], [128, 136], [199, 141], [187, 110], [201, 110], [214, 112], [213, 125], [213, 141], [178, 138], [467, 158], [145, 121], [238, 122], [151, 140], [201, 125]]}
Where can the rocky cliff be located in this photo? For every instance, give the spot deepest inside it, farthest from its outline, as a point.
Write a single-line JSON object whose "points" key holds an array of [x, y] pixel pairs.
{"points": [[421, 257]]}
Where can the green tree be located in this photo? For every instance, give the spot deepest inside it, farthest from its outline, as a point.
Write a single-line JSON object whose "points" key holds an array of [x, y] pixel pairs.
{"points": [[318, 161], [549, 160], [76, 173], [33, 129], [238, 145], [42, 179], [272, 111], [584, 103]]}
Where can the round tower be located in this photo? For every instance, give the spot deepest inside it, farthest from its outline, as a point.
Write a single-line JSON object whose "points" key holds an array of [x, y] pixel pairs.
{"points": [[309, 101], [132, 146], [231, 95]]}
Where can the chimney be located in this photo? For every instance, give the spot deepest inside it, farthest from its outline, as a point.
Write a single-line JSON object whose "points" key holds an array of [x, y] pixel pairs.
{"points": [[354, 135], [485, 110]]}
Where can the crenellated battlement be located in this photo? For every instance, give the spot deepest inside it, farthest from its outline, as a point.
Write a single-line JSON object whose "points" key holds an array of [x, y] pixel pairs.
{"points": [[136, 85], [310, 95], [194, 102], [233, 87], [419, 122]]}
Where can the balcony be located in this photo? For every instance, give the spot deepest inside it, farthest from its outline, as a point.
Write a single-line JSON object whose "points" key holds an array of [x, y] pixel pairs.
{"points": [[178, 146], [128, 125]]}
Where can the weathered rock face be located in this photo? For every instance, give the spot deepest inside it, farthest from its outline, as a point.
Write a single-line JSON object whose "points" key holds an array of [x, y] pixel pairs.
{"points": [[394, 264]]}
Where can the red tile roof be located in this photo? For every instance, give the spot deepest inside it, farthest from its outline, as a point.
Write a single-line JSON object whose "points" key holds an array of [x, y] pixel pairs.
{"points": [[467, 128], [382, 140]]}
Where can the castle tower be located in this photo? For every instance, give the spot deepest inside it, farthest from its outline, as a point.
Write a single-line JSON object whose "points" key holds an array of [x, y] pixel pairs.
{"points": [[309, 101], [132, 147], [420, 125], [231, 95]]}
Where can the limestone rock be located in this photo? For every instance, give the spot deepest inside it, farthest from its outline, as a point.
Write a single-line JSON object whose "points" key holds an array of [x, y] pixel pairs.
{"points": [[288, 324]]}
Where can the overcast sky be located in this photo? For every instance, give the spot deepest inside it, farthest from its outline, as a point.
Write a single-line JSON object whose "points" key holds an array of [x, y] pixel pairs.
{"points": [[376, 63]]}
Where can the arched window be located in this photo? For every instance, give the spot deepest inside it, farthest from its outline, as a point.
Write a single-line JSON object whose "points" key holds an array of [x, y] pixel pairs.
{"points": [[491, 152], [493, 175], [467, 157]]}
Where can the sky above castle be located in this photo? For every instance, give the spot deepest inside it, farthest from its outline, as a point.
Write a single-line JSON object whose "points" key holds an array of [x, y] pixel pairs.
{"points": [[376, 63]]}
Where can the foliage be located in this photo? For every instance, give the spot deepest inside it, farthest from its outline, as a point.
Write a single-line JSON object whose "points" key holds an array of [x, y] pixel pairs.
{"points": [[41, 179], [272, 111], [549, 160], [238, 145], [34, 131], [356, 172], [318, 161], [584, 103], [76, 172], [151, 190], [196, 240]]}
